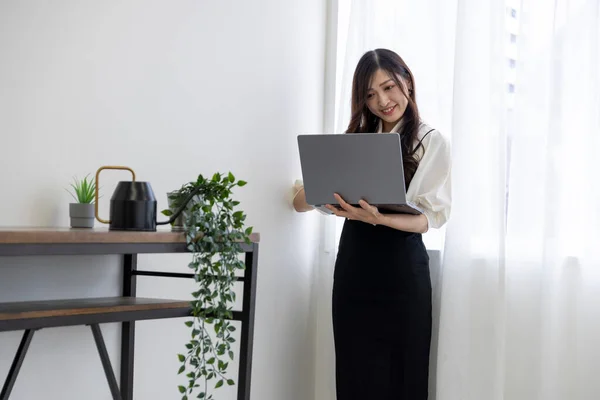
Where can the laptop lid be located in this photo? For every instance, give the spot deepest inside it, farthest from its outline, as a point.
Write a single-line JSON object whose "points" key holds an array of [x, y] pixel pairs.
{"points": [[357, 166]]}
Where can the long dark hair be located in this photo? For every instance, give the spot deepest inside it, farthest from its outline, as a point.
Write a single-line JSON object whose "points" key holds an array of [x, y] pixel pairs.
{"points": [[364, 121]]}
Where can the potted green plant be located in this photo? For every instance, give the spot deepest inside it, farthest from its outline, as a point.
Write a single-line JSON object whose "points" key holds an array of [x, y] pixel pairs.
{"points": [[214, 232], [175, 199], [82, 212]]}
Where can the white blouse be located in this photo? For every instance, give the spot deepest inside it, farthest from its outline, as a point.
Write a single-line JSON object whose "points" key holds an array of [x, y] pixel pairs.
{"points": [[430, 189]]}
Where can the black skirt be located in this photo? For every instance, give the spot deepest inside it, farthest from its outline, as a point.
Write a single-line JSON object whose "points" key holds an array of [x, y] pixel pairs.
{"points": [[381, 314]]}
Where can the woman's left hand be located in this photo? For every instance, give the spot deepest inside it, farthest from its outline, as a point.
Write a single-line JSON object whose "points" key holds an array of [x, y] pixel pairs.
{"points": [[365, 213]]}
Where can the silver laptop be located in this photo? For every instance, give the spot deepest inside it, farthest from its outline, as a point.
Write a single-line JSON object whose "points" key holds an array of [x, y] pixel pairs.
{"points": [[356, 166]]}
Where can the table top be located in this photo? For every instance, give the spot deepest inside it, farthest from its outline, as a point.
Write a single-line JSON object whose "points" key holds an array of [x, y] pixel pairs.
{"points": [[65, 235]]}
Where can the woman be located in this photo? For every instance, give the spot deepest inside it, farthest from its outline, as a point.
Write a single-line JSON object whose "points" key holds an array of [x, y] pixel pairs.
{"points": [[382, 286]]}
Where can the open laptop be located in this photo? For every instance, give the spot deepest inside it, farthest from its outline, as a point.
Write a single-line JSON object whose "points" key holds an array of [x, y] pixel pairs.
{"points": [[356, 166]]}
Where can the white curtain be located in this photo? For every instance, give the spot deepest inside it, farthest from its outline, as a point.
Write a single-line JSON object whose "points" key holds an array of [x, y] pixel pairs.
{"points": [[470, 356], [520, 292], [516, 84], [553, 231]]}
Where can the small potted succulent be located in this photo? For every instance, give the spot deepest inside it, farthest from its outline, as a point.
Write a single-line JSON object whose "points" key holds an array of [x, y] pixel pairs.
{"points": [[82, 211]]}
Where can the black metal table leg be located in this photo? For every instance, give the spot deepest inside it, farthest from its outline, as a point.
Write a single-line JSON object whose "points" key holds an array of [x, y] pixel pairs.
{"points": [[247, 336], [110, 375], [128, 328], [16, 365]]}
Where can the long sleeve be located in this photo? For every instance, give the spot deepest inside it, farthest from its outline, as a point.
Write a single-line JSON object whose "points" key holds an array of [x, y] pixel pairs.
{"points": [[430, 189]]}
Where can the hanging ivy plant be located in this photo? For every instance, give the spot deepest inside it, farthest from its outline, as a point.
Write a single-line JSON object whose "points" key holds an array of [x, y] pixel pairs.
{"points": [[214, 232]]}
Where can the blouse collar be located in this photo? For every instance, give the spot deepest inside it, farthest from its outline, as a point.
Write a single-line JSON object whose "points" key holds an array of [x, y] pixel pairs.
{"points": [[395, 129]]}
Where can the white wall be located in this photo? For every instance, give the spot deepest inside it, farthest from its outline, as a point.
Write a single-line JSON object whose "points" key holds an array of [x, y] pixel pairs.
{"points": [[171, 89]]}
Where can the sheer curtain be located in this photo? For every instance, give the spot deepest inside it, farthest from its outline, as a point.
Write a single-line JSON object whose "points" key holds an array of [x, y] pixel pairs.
{"points": [[470, 355], [520, 289], [520, 292], [553, 230]]}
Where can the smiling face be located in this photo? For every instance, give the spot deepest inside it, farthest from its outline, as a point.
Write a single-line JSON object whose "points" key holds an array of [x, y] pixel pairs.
{"points": [[384, 91], [386, 99]]}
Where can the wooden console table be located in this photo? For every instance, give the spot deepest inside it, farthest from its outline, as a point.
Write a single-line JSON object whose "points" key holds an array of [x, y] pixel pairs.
{"points": [[33, 315]]}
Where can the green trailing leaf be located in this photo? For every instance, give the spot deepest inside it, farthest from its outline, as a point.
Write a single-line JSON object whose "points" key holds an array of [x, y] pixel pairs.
{"points": [[214, 231]]}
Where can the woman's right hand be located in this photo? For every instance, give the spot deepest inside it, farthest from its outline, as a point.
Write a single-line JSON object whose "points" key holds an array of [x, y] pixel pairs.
{"points": [[299, 201], [298, 185]]}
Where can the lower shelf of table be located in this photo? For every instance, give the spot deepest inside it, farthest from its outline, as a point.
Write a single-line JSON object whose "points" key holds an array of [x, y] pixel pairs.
{"points": [[53, 313]]}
